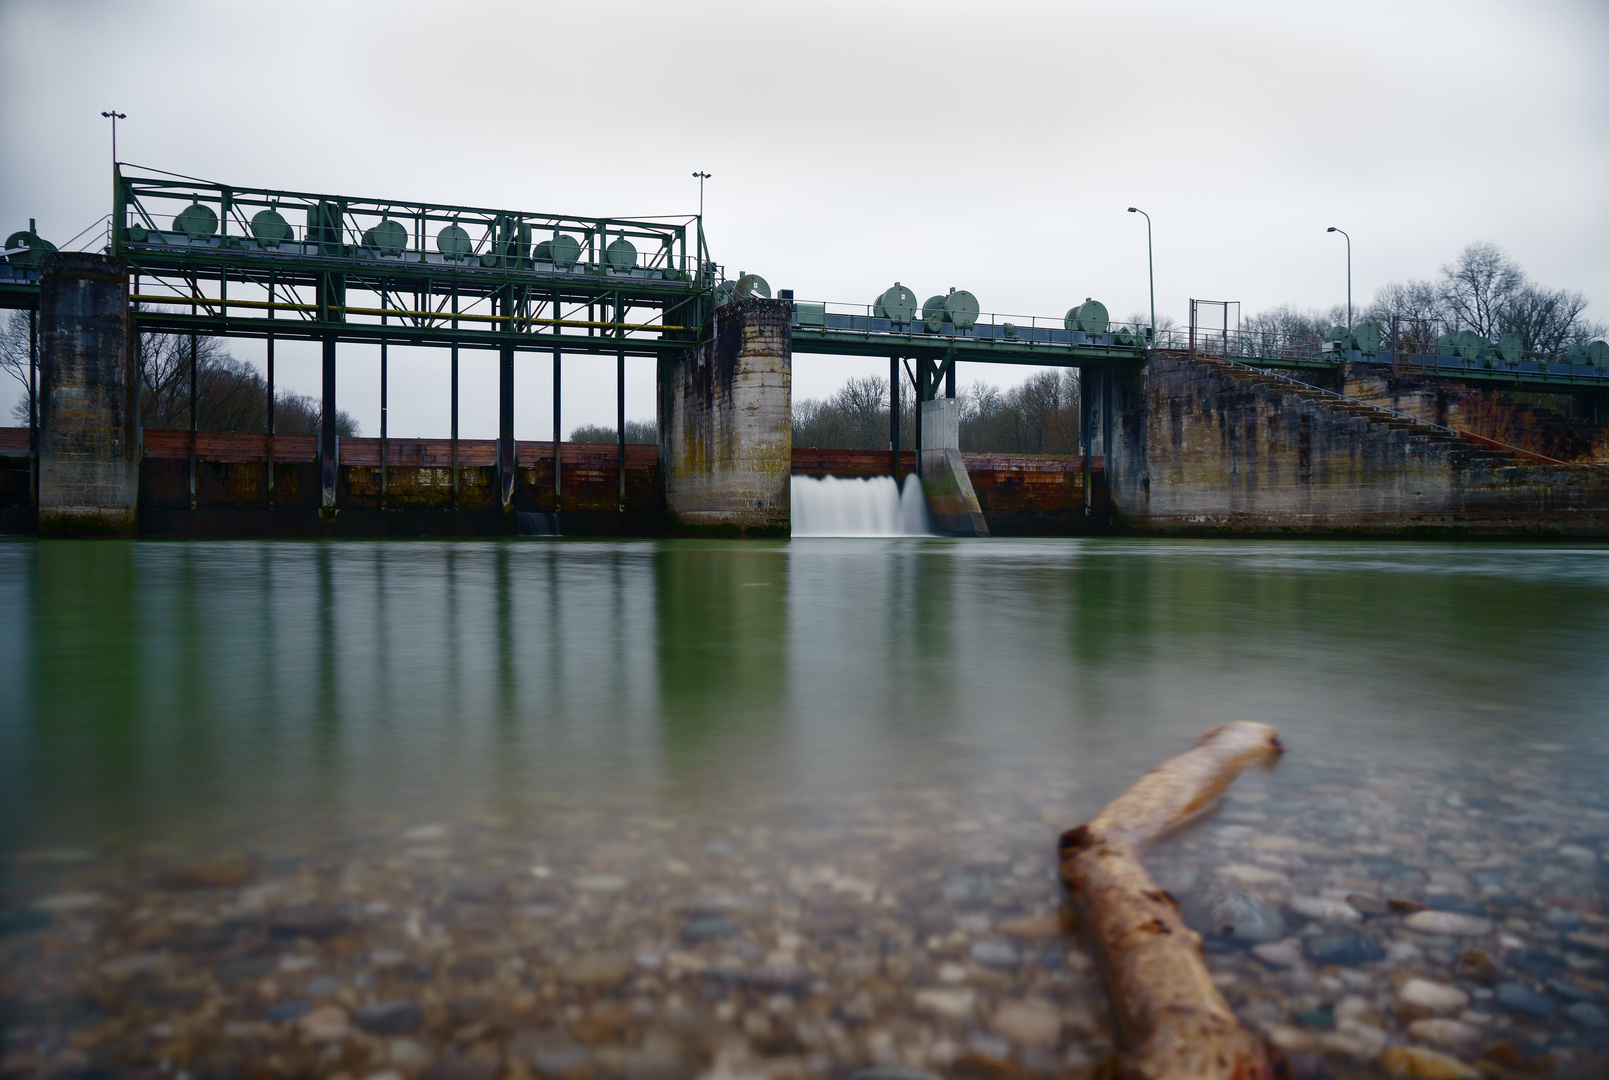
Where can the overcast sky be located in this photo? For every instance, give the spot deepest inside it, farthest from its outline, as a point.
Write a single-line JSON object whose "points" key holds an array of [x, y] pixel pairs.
{"points": [[991, 147]]}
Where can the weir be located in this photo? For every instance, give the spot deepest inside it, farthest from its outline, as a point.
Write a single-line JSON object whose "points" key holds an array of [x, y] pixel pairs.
{"points": [[1205, 438]]}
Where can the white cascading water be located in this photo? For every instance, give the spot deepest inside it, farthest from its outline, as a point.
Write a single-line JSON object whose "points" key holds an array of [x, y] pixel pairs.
{"points": [[830, 506]]}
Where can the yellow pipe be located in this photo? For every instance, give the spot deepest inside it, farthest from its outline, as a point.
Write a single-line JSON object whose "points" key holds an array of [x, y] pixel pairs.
{"points": [[432, 315]]}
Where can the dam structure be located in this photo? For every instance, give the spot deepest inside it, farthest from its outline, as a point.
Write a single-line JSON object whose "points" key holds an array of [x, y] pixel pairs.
{"points": [[1381, 431]]}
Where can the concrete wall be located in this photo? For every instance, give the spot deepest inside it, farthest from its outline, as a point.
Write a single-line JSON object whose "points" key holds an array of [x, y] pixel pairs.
{"points": [[89, 399], [1204, 448], [952, 503], [726, 424], [1556, 425]]}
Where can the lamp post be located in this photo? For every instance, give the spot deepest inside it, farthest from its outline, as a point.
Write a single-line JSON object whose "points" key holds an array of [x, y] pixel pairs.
{"points": [[114, 116], [1343, 232], [1150, 263]]}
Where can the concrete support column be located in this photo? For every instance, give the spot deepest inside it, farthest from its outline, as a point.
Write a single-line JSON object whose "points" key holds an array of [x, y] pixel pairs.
{"points": [[726, 424], [505, 424], [89, 465], [952, 504], [328, 445]]}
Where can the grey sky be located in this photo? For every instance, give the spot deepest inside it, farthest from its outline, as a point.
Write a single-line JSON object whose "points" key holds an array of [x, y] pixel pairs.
{"points": [[991, 147]]}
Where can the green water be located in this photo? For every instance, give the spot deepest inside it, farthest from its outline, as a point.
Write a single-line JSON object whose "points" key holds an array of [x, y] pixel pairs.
{"points": [[484, 760], [180, 691]]}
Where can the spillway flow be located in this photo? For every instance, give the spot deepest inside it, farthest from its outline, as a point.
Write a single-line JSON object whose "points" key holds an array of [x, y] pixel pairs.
{"points": [[830, 506]]}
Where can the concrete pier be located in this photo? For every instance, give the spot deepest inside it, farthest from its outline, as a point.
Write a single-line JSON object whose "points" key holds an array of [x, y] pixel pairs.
{"points": [[89, 458], [726, 424], [1204, 447], [952, 504]]}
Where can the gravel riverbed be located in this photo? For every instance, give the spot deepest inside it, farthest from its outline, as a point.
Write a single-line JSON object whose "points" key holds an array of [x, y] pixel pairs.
{"points": [[1373, 920]]}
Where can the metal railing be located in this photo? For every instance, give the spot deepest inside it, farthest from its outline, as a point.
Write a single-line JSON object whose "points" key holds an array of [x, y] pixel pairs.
{"points": [[163, 212], [989, 326]]}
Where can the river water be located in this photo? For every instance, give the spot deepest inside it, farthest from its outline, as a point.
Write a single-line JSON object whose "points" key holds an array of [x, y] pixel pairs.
{"points": [[660, 809]]}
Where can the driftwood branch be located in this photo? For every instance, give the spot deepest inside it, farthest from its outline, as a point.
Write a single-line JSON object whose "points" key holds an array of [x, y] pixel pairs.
{"points": [[1174, 1023]]}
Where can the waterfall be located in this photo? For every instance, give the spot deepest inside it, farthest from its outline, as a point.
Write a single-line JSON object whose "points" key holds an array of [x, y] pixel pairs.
{"points": [[829, 506]]}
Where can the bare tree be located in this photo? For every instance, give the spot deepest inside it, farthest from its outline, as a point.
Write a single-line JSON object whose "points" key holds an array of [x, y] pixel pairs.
{"points": [[14, 359], [1478, 286]]}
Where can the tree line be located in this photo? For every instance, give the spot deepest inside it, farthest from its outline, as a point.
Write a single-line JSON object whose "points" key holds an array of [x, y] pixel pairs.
{"points": [[1039, 416], [231, 394], [1483, 290]]}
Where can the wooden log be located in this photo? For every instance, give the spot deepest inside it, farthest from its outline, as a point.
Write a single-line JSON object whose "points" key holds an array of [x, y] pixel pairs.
{"points": [[1173, 1022]]}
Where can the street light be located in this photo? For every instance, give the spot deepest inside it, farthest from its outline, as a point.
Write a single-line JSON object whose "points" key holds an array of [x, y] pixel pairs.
{"points": [[1343, 232], [701, 176], [114, 116], [1150, 263]]}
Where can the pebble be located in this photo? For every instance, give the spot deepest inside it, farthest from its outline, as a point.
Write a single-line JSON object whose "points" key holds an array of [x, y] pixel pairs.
{"points": [[990, 953], [1317, 907], [286, 1011], [64, 902], [1453, 923], [1367, 905], [1587, 1014], [597, 970], [953, 1003], [1234, 918], [1443, 1032], [400, 1017], [1416, 1061], [409, 1055], [1040, 926], [604, 883], [1279, 954], [1345, 950], [1521, 998], [126, 967], [457, 1067], [1030, 1022], [1247, 874], [891, 1074], [1431, 996], [327, 1023], [1475, 965], [217, 874], [709, 927], [314, 923]]}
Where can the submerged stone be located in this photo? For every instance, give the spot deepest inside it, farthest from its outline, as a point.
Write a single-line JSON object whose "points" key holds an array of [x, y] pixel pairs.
{"points": [[401, 1017], [1522, 999], [1232, 918], [1344, 950]]}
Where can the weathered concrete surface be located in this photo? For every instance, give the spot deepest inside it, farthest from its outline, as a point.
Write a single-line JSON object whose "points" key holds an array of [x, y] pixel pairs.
{"points": [[89, 399], [1555, 425], [952, 504], [726, 424], [1205, 448]]}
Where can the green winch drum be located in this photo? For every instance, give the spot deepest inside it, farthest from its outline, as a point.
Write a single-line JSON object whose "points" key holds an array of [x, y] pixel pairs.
{"points": [[1469, 344], [543, 252], [196, 221], [270, 229], [37, 247], [1598, 354], [933, 314], [1510, 347], [565, 250], [961, 308], [391, 237], [621, 255], [897, 304], [1367, 336], [1093, 317], [453, 242]]}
